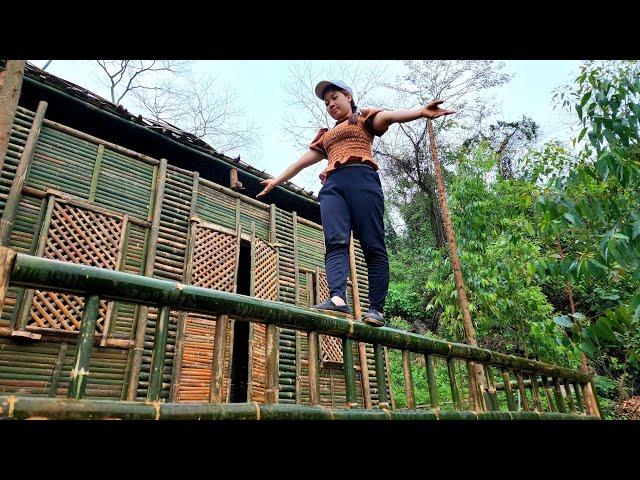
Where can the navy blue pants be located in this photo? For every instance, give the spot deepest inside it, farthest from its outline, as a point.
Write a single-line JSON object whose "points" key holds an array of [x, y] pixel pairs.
{"points": [[352, 198]]}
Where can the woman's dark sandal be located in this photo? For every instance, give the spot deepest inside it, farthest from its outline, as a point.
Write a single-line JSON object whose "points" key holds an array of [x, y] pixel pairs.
{"points": [[374, 318], [328, 305]]}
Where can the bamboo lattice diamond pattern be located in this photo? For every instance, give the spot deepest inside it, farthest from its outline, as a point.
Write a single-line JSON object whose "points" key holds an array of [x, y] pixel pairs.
{"points": [[330, 347], [79, 236]]}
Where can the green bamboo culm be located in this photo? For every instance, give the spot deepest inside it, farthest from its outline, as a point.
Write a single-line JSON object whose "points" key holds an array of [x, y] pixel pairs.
{"points": [[349, 373], [80, 372], [383, 398], [431, 381], [159, 349]]}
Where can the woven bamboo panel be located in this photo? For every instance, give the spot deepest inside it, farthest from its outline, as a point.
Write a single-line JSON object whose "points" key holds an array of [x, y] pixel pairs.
{"points": [[330, 347], [78, 236], [214, 266], [214, 260], [197, 356], [266, 287]]}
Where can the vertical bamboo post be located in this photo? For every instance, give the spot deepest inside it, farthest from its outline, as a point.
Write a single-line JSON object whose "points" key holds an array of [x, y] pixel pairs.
{"points": [[10, 89], [451, 369], [545, 387], [431, 381], [80, 372], [96, 174], [13, 199], [349, 373], [217, 365], [272, 390], [572, 408], [576, 390], [7, 258], [492, 398], [558, 395], [536, 392], [149, 261], [296, 270], [408, 379], [383, 399], [159, 350], [314, 387], [57, 369], [357, 311], [455, 261], [523, 392], [507, 390]]}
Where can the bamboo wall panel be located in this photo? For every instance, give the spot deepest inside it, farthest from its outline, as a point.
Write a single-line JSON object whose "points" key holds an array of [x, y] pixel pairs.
{"points": [[260, 217], [265, 285], [124, 314], [124, 184], [169, 264], [27, 368], [77, 236], [62, 162], [216, 207], [286, 283], [19, 132], [214, 266], [106, 373], [22, 241]]}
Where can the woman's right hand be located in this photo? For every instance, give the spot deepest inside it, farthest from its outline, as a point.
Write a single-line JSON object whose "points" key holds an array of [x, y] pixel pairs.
{"points": [[269, 184]]}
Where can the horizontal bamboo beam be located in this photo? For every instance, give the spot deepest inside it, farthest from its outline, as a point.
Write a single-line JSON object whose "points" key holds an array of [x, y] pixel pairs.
{"points": [[47, 274], [66, 409]]}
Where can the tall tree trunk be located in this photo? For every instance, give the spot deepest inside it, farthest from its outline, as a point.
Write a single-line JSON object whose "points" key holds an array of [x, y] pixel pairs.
{"points": [[457, 270]]}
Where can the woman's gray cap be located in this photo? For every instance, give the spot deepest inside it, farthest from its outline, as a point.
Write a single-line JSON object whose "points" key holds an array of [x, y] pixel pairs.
{"points": [[322, 86]]}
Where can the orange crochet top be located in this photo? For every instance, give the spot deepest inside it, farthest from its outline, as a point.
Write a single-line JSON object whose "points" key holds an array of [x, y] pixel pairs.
{"points": [[346, 143]]}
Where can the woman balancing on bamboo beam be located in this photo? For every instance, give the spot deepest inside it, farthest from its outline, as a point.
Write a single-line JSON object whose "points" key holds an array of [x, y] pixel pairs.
{"points": [[352, 198]]}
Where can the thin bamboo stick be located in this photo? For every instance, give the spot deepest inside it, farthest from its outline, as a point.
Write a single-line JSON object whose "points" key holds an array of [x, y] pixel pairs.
{"points": [[96, 173], [536, 392], [523, 392], [545, 387], [572, 408], [312, 349], [576, 390], [558, 395], [80, 372]]}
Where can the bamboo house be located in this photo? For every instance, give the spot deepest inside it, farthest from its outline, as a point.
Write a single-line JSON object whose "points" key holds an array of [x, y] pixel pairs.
{"points": [[84, 181]]}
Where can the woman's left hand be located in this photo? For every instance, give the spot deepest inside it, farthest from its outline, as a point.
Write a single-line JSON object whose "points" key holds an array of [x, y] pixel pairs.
{"points": [[432, 110]]}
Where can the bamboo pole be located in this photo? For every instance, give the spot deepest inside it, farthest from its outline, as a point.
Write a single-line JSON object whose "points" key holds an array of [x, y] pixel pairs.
{"points": [[536, 393], [84, 348], [295, 257], [455, 261], [7, 258], [572, 408], [217, 366], [558, 395], [349, 373], [408, 378], [157, 358], [149, 261], [14, 196], [272, 389], [576, 390], [96, 173], [392, 400], [523, 392], [10, 89], [55, 275], [492, 399], [451, 369], [383, 399], [312, 349], [508, 392], [431, 381], [545, 387], [55, 377]]}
